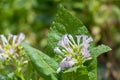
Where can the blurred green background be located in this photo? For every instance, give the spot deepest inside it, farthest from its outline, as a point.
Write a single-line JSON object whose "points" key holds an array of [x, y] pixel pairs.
{"points": [[34, 17]]}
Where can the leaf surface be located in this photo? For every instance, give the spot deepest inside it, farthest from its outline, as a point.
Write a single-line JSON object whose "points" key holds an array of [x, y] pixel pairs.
{"points": [[45, 65], [65, 23]]}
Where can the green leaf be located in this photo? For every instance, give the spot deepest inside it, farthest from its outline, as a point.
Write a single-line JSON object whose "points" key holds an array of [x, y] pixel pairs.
{"points": [[92, 69], [99, 50], [45, 65], [92, 65], [65, 23], [80, 73]]}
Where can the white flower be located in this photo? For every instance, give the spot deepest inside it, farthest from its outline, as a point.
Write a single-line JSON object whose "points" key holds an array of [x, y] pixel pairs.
{"points": [[10, 44], [66, 62], [73, 50]]}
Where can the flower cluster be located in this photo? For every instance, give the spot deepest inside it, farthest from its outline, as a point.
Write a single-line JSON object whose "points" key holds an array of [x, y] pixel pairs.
{"points": [[9, 46], [74, 51]]}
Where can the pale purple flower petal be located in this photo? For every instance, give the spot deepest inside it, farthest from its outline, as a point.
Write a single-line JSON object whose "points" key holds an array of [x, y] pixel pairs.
{"points": [[71, 38], [61, 43], [86, 41], [14, 39], [78, 39], [58, 50], [67, 62], [9, 36], [85, 52], [4, 40], [84, 37], [66, 40], [65, 45], [21, 38], [68, 58], [12, 50]]}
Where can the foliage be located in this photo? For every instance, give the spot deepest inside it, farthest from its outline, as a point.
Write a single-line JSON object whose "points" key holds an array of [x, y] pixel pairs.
{"points": [[42, 63], [34, 17], [47, 66]]}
